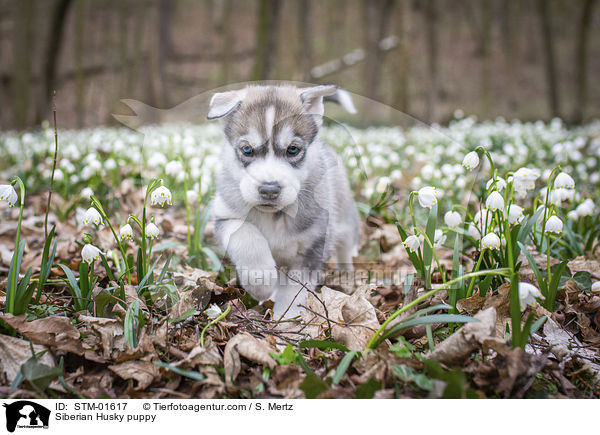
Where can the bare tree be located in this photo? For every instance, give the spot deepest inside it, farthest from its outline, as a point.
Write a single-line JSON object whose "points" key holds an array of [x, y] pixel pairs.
{"points": [[304, 39], [267, 32], [79, 71], [376, 22], [22, 49], [402, 60], [165, 12], [431, 23], [511, 31], [581, 60], [548, 42], [486, 54]]}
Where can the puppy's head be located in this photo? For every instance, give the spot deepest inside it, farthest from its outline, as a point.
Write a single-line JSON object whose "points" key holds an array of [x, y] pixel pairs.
{"points": [[270, 130]]}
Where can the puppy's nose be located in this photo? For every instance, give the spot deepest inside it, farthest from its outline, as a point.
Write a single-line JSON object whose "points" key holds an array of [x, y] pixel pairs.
{"points": [[270, 190]]}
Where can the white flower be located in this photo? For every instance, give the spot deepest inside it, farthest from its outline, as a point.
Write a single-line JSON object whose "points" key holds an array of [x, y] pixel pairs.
{"points": [[382, 184], [452, 219], [499, 186], [86, 192], [91, 216], [573, 215], [495, 201], [554, 225], [160, 196], [412, 243], [152, 231], [515, 214], [439, 238], [192, 196], [524, 180], [428, 196], [586, 208], [8, 194], [213, 311], [474, 232], [483, 218], [396, 175], [528, 294], [564, 181], [541, 216], [89, 253], [471, 160], [126, 232], [174, 168], [490, 241]]}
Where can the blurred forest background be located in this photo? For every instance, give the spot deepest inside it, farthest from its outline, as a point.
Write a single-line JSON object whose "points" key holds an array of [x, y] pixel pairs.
{"points": [[528, 59]]}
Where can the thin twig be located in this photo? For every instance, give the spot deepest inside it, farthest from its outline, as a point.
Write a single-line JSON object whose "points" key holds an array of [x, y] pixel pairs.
{"points": [[53, 166]]}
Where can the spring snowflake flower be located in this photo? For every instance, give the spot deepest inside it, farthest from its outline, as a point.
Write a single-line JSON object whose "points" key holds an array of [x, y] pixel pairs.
{"points": [[91, 216], [490, 241], [483, 218], [89, 253], [174, 168], [554, 225], [471, 160], [524, 180], [573, 215], [543, 212], [474, 232], [564, 181], [495, 201], [86, 192], [528, 294], [515, 214], [439, 238], [586, 208], [8, 194], [382, 184], [213, 311], [126, 232], [452, 219], [428, 196], [152, 231], [412, 243], [499, 186], [161, 195], [191, 196]]}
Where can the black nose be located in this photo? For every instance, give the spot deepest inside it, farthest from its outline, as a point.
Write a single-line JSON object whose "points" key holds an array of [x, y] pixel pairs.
{"points": [[270, 190]]}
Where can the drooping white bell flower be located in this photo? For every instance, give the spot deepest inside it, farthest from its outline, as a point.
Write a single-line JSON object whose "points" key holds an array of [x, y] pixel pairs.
{"points": [[152, 231], [586, 208], [213, 311], [86, 192], [564, 181], [573, 215], [8, 194], [471, 160], [382, 184], [428, 196], [452, 219], [474, 232], [174, 168], [515, 214], [524, 180], [528, 294], [161, 195], [495, 201], [126, 232], [490, 241], [412, 243], [499, 186], [191, 196], [91, 216], [439, 238], [483, 218], [554, 225], [89, 253]]}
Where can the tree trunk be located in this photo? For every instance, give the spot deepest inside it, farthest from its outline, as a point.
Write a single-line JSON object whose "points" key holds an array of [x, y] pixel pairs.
{"points": [[304, 42], [266, 38], [581, 61], [511, 29], [79, 71], [165, 12], [376, 20], [55, 40], [548, 42], [486, 56], [23, 47], [431, 17], [225, 28], [402, 60]]}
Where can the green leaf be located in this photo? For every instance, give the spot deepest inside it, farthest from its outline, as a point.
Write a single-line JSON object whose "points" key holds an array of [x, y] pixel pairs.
{"points": [[430, 231], [408, 282], [187, 373], [109, 272], [39, 374], [343, 366], [538, 275], [324, 345], [130, 324], [428, 320], [215, 262], [367, 390], [312, 386], [414, 258], [287, 356], [408, 374], [187, 314], [101, 300], [583, 279]]}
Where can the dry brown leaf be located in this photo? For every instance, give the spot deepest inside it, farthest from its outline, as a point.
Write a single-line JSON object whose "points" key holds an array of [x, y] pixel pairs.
{"points": [[111, 338], [13, 354], [251, 348], [143, 372], [459, 345], [202, 356]]}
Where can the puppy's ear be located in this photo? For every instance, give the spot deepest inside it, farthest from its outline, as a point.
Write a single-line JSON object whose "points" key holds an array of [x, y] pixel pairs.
{"points": [[312, 98], [223, 103], [343, 98]]}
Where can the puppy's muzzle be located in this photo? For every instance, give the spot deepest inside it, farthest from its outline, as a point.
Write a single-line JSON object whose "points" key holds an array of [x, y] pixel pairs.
{"points": [[270, 190]]}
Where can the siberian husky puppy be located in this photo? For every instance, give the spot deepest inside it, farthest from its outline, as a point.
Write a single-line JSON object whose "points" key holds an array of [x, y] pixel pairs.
{"points": [[283, 203]]}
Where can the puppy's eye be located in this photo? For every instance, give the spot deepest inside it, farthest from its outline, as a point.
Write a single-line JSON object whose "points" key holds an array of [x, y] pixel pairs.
{"points": [[247, 149], [293, 150]]}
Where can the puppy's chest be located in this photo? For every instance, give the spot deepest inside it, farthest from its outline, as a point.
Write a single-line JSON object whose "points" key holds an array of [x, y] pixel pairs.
{"points": [[285, 242]]}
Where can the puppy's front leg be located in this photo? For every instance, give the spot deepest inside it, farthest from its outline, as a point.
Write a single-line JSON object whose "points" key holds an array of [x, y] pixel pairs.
{"points": [[249, 251]]}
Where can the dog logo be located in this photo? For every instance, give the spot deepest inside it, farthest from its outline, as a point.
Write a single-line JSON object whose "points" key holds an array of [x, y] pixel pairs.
{"points": [[26, 414]]}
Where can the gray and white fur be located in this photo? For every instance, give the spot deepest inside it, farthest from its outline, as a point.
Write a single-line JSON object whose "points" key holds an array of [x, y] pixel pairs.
{"points": [[283, 203]]}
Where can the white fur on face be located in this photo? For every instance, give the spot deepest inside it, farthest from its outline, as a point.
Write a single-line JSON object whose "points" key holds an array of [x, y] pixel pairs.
{"points": [[270, 169], [269, 121]]}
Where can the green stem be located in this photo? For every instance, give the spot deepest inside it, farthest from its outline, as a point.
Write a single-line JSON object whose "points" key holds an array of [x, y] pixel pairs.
{"points": [[375, 338], [433, 252], [12, 285], [475, 269], [221, 316]]}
